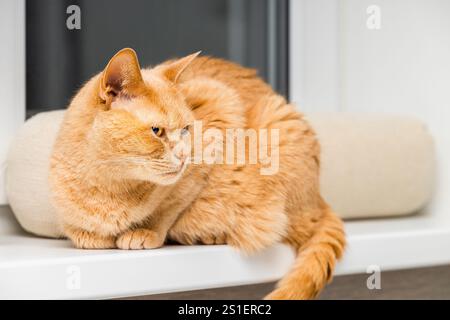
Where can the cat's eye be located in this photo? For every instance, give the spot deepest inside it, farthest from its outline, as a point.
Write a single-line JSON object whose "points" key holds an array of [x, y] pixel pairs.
{"points": [[185, 130], [158, 131]]}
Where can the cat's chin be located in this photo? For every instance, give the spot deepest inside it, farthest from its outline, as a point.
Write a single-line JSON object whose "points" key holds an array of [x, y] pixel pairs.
{"points": [[166, 179]]}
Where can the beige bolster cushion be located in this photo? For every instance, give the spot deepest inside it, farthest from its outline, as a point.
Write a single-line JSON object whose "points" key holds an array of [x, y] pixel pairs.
{"points": [[372, 166]]}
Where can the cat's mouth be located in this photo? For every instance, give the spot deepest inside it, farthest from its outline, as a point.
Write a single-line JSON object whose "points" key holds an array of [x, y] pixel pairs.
{"points": [[174, 172]]}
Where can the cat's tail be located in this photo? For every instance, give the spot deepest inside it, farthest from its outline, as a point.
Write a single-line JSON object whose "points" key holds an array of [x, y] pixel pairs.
{"points": [[315, 262]]}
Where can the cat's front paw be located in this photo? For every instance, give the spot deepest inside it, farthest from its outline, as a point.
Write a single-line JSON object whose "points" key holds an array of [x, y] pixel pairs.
{"points": [[213, 239], [83, 239], [139, 239], [94, 242]]}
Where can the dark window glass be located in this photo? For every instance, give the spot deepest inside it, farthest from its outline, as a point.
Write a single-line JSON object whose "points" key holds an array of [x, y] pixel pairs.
{"points": [[250, 32]]}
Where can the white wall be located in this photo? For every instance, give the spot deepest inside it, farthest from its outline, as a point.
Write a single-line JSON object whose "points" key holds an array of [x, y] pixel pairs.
{"points": [[314, 61], [404, 67], [12, 76]]}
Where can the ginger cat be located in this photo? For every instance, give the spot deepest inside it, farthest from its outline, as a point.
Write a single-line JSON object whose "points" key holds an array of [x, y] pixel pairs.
{"points": [[117, 180]]}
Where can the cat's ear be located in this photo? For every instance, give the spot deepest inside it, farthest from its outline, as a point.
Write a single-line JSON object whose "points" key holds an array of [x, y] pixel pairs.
{"points": [[174, 70], [121, 75]]}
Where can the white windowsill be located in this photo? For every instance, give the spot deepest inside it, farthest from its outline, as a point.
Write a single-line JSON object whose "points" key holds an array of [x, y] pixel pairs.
{"points": [[32, 267]]}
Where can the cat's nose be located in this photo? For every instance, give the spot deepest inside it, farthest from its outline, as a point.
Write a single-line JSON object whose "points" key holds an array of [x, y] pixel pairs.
{"points": [[173, 144]]}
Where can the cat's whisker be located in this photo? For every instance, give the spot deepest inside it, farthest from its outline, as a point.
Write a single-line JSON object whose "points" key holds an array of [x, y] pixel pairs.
{"points": [[133, 160], [157, 165]]}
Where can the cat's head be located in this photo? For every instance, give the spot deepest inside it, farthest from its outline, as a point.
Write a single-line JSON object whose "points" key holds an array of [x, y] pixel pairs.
{"points": [[144, 131]]}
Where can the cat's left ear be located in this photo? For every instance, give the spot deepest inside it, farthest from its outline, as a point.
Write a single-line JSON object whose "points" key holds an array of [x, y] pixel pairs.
{"points": [[122, 76], [174, 70]]}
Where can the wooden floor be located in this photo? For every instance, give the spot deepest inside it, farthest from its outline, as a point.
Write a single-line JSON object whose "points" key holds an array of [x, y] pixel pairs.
{"points": [[425, 283]]}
